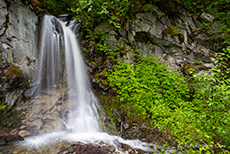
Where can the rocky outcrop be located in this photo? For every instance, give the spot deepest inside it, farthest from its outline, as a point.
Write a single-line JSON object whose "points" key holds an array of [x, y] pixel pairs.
{"points": [[18, 50], [175, 41]]}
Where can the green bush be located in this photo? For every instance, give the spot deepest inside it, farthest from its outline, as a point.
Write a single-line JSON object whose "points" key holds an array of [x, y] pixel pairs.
{"points": [[197, 118], [223, 63], [149, 85]]}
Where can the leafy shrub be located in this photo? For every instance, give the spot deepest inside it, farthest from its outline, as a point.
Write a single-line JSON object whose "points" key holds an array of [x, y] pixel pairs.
{"points": [[223, 63], [148, 83], [198, 119]]}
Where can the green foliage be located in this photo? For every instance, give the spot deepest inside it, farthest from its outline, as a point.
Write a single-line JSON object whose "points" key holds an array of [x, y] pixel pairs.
{"points": [[223, 63], [93, 12], [196, 117], [55, 7], [205, 26], [146, 84], [118, 12], [2, 107], [208, 113]]}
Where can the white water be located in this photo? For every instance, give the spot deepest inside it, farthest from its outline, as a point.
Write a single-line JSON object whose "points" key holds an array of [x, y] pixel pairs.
{"points": [[60, 62], [93, 137], [83, 116]]}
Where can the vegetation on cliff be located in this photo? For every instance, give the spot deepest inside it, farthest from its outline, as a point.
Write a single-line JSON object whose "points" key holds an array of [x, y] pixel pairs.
{"points": [[194, 111]]}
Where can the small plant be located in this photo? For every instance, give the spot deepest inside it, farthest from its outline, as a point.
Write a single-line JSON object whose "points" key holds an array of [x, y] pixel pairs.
{"points": [[2, 107], [205, 26]]}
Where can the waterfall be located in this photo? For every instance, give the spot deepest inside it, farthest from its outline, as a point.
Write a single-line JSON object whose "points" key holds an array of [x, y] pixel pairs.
{"points": [[61, 65], [59, 58], [83, 114]]}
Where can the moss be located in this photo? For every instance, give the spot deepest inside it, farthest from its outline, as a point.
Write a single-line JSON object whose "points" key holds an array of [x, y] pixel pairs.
{"points": [[92, 62], [104, 74], [37, 5], [97, 76], [173, 31], [13, 72], [189, 69], [10, 76], [104, 82], [188, 51]]}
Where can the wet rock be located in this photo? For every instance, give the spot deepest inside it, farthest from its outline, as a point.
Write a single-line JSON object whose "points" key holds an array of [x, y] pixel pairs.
{"points": [[23, 133], [57, 25], [75, 25], [80, 148], [110, 148]]}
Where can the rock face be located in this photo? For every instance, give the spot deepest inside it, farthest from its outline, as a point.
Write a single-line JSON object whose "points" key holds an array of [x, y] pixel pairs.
{"points": [[175, 41], [18, 50], [19, 34]]}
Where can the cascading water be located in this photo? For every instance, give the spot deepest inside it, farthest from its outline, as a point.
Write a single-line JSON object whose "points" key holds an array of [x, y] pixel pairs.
{"points": [[58, 41], [61, 65], [83, 116]]}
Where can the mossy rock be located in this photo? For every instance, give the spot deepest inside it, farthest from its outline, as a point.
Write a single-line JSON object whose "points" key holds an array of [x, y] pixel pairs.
{"points": [[173, 31], [104, 74], [104, 82], [14, 72], [189, 69], [97, 76]]}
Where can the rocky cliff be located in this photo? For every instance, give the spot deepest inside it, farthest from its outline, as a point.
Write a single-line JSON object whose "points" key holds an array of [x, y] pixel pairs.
{"points": [[18, 50]]}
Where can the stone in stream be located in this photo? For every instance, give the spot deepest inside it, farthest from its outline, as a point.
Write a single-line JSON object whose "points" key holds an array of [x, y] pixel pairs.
{"points": [[102, 148], [80, 148], [23, 133]]}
